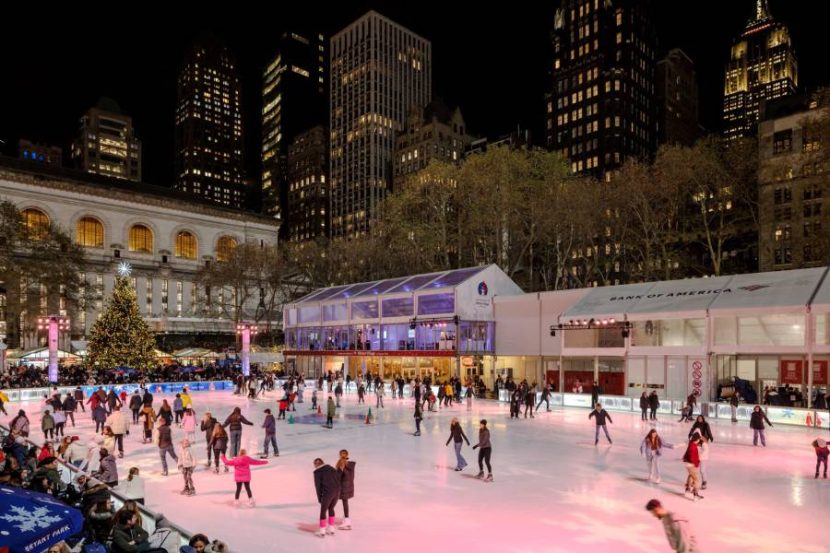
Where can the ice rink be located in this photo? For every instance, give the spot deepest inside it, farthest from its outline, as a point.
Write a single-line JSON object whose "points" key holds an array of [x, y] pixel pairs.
{"points": [[554, 491]]}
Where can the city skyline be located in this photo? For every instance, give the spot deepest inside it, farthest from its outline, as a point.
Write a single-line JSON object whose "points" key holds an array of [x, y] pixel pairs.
{"points": [[471, 70]]}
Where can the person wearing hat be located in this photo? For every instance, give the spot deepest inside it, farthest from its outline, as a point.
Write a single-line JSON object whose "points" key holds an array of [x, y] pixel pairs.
{"points": [[46, 478], [822, 452], [676, 528], [484, 452]]}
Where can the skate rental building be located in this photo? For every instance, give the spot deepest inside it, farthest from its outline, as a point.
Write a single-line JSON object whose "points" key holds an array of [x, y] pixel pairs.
{"points": [[677, 337]]}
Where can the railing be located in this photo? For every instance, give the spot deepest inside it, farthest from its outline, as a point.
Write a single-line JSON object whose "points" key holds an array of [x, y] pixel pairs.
{"points": [[30, 394]]}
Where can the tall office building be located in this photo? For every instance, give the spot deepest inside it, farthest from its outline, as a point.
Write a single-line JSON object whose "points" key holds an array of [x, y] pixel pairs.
{"points": [[601, 108], [677, 100], [762, 67], [307, 214], [47, 154], [379, 71], [209, 125], [106, 143], [294, 99]]}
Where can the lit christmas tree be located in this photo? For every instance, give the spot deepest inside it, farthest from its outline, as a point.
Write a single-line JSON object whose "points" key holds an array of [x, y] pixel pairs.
{"points": [[120, 337]]}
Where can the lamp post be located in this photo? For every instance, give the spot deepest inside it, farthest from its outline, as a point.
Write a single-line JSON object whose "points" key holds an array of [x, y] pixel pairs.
{"points": [[246, 330], [53, 324]]}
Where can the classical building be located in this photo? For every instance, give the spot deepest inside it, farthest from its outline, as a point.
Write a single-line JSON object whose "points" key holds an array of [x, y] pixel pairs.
{"points": [[307, 200], [434, 132], [762, 66], [379, 71], [165, 236], [209, 162], [106, 143], [294, 99], [677, 100], [46, 154], [794, 183], [601, 108]]}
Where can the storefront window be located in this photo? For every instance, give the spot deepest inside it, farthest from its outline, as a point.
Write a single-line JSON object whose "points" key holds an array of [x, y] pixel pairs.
{"points": [[670, 332], [365, 309], [475, 336], [398, 337], [398, 307], [366, 337], [335, 312], [435, 335], [434, 304]]}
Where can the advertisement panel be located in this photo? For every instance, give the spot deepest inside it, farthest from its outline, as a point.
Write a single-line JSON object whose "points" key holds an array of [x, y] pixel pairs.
{"points": [[577, 400], [616, 403]]}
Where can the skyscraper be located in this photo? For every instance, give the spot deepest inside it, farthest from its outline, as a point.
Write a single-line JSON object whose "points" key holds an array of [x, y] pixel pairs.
{"points": [[762, 66], [294, 99], [209, 125], [379, 71], [601, 108], [106, 143], [306, 212], [677, 100]]}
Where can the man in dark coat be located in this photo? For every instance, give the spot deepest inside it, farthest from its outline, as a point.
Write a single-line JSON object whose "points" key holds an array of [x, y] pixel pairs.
{"points": [[327, 484]]}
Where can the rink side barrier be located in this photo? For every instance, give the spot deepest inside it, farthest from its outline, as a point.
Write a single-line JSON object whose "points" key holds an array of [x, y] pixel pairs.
{"points": [[149, 518], [35, 394]]}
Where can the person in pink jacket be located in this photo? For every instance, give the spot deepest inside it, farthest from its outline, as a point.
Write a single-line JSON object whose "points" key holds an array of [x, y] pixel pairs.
{"points": [[189, 424], [242, 473]]}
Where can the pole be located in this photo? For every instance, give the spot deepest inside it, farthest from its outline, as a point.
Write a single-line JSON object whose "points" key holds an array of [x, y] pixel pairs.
{"points": [[246, 350], [53, 350]]}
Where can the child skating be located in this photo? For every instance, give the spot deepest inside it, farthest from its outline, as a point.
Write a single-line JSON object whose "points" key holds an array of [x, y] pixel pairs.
{"points": [[331, 410], [187, 464], [242, 474], [822, 452], [601, 414]]}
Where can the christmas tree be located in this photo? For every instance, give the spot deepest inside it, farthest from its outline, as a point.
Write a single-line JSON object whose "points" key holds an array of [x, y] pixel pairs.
{"points": [[120, 337]]}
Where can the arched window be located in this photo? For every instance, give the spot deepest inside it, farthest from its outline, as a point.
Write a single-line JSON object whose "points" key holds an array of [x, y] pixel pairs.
{"points": [[225, 248], [90, 233], [35, 223], [141, 239], [186, 245]]}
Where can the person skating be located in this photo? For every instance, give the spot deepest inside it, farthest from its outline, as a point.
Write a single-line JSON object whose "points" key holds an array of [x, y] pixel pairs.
{"points": [[530, 399], [327, 484], [652, 449], [79, 399], [485, 451], [242, 474], [703, 452], [822, 452], [331, 410], [133, 487], [165, 443], [60, 421], [545, 397], [419, 416], [166, 412], [361, 393], [692, 460], [189, 424], [653, 404], [734, 401], [677, 530], [99, 415], [515, 403], [19, 425], [206, 426], [458, 438], [135, 406], [601, 414], [178, 408], [234, 424], [68, 407], [469, 395], [47, 424], [595, 392], [379, 386], [644, 406], [270, 426], [702, 427], [149, 421], [346, 468], [187, 464], [338, 392], [118, 424], [314, 400], [219, 444], [756, 423]]}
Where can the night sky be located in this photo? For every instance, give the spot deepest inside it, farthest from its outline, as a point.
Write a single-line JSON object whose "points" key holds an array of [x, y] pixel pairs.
{"points": [[493, 63]]}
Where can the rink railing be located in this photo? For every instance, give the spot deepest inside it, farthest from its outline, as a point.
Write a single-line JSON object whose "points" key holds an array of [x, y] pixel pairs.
{"points": [[150, 520], [30, 394]]}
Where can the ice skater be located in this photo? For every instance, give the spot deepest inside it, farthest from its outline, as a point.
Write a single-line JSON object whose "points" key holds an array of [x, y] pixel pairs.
{"points": [[702, 427], [601, 414], [734, 401], [219, 444], [644, 406], [515, 403], [338, 392], [165, 443], [530, 399], [327, 484], [545, 397], [331, 410], [270, 426], [653, 404], [242, 474], [206, 426], [234, 424], [187, 464], [379, 393], [458, 438], [692, 460], [756, 423], [822, 452], [484, 452], [346, 469], [361, 393], [652, 449], [418, 418], [677, 531]]}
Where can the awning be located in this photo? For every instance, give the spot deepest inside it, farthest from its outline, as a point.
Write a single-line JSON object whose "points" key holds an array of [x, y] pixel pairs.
{"points": [[607, 302], [679, 299], [781, 291]]}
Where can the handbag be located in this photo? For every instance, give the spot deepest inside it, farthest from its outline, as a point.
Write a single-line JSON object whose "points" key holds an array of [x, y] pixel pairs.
{"points": [[165, 539]]}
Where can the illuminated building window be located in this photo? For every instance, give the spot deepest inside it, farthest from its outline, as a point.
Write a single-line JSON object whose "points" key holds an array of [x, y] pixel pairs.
{"points": [[186, 245], [141, 239], [225, 248], [89, 232], [35, 223]]}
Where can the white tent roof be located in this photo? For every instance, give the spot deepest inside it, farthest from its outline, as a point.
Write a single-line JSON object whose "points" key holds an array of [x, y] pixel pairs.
{"points": [[680, 299], [608, 301], [779, 290]]}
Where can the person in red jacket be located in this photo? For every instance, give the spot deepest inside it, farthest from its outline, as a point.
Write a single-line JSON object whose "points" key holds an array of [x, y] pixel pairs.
{"points": [[242, 474], [692, 460]]}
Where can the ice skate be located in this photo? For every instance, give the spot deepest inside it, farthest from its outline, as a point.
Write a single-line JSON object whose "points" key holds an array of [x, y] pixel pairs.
{"points": [[184, 491], [321, 533], [164, 473], [703, 486], [236, 503], [251, 502], [489, 478], [697, 497], [330, 530], [657, 480], [480, 474]]}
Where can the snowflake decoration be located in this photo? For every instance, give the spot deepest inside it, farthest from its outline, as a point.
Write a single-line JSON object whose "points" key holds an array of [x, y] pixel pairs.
{"points": [[788, 413], [124, 269], [28, 521]]}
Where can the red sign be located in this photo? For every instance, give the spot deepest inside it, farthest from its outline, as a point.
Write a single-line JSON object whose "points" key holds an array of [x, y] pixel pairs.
{"points": [[820, 372], [792, 371], [369, 353]]}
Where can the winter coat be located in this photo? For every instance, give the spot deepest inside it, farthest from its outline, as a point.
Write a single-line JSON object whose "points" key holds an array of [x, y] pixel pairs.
{"points": [[347, 481], [166, 413], [653, 401], [757, 419], [147, 398], [69, 403], [644, 402], [207, 428], [75, 452], [692, 454], [186, 401], [189, 423], [177, 404], [733, 401], [270, 424], [645, 448], [331, 409], [117, 422], [703, 429], [457, 434], [112, 400], [165, 437], [135, 402], [219, 443], [79, 395], [242, 467], [20, 425], [326, 482], [108, 472], [132, 489], [47, 422], [703, 451], [99, 414], [601, 415], [186, 458], [235, 421], [677, 532], [149, 417], [123, 535], [484, 438]]}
